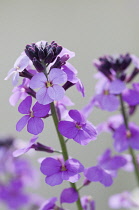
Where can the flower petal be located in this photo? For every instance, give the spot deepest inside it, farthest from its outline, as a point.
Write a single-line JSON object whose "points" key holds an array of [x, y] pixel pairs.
{"points": [[38, 80], [43, 97], [67, 129], [54, 179], [22, 122], [50, 166], [69, 195], [40, 110], [57, 76], [56, 92], [35, 125], [24, 107], [77, 116]]}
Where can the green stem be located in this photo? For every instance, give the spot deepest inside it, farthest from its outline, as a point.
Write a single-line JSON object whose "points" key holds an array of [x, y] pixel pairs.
{"points": [[64, 149], [134, 160]]}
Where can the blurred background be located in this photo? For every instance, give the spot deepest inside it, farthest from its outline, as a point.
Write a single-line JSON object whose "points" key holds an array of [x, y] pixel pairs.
{"points": [[91, 29]]}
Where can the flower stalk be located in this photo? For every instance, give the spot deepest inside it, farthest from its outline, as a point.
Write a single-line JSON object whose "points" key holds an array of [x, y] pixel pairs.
{"points": [[131, 151], [64, 149]]}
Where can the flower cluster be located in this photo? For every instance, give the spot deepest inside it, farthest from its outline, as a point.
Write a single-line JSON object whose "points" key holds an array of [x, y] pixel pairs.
{"points": [[46, 75]]}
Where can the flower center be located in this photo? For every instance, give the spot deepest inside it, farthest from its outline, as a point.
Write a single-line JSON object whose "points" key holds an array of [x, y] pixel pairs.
{"points": [[78, 126], [63, 168], [128, 134], [17, 68], [31, 114], [106, 92], [49, 84]]}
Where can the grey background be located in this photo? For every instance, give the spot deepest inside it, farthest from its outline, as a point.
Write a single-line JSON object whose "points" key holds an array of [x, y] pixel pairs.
{"points": [[91, 29]]}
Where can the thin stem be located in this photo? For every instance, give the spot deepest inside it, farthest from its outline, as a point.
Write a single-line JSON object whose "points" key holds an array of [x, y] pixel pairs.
{"points": [[64, 149], [134, 160]]}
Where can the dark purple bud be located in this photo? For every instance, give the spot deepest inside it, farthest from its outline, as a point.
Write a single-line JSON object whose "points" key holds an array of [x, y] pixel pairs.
{"points": [[67, 85], [123, 77], [40, 147], [41, 54], [6, 142], [30, 52], [39, 67], [49, 57], [121, 63], [132, 109], [31, 92], [26, 74], [133, 75], [58, 50], [86, 182]]}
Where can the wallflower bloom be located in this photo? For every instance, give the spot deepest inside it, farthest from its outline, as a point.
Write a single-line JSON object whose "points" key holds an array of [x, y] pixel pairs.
{"points": [[21, 63], [122, 200], [131, 96], [32, 118], [88, 203], [79, 129], [106, 168], [57, 170], [123, 138], [50, 89]]}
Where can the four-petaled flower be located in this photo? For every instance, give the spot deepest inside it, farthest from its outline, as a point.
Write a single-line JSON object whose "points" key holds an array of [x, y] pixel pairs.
{"points": [[106, 168], [50, 89], [79, 129], [57, 170], [35, 125]]}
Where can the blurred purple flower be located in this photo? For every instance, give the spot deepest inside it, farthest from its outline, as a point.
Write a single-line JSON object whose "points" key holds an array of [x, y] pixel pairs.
{"points": [[58, 170], [106, 168], [20, 64], [79, 129], [50, 89], [88, 203], [69, 195], [131, 96], [123, 138], [32, 118], [122, 200], [49, 204]]}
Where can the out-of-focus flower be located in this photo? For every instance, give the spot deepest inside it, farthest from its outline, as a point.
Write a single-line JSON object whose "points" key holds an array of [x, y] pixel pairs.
{"points": [[88, 203], [106, 168], [69, 195]]}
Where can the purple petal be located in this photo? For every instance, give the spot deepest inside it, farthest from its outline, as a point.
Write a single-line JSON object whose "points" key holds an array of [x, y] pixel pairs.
{"points": [[90, 129], [43, 97], [69, 195], [21, 62], [94, 174], [57, 76], [50, 166], [82, 137], [131, 97], [77, 116], [70, 176], [40, 110], [22, 122], [19, 152], [80, 88], [14, 98], [35, 125], [15, 78], [74, 165], [54, 179], [106, 179], [24, 107], [38, 80], [109, 102], [67, 129], [56, 92], [117, 86], [115, 163], [49, 204]]}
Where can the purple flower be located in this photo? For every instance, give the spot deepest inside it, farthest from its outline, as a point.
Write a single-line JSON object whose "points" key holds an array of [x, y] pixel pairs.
{"points": [[50, 89], [57, 170], [20, 64], [19, 92], [88, 203], [32, 145], [122, 200], [123, 138], [79, 129], [49, 204], [13, 190], [69, 195], [106, 168], [131, 96], [32, 118]]}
